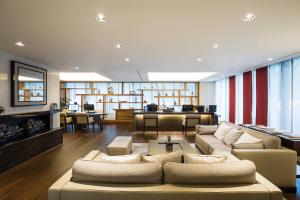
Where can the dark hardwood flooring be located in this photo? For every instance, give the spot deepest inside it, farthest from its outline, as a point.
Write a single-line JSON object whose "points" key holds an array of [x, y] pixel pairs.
{"points": [[31, 179]]}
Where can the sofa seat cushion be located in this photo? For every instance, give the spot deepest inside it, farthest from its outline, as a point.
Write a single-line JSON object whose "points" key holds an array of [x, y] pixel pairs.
{"points": [[219, 147], [229, 156], [93, 171], [164, 158], [240, 172], [203, 142], [123, 159]]}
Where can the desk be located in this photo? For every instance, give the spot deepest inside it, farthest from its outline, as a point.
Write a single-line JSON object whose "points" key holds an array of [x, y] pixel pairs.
{"points": [[99, 117], [170, 121]]}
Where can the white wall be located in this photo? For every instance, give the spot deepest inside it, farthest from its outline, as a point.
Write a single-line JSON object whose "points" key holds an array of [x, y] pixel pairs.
{"points": [[52, 85], [207, 93]]}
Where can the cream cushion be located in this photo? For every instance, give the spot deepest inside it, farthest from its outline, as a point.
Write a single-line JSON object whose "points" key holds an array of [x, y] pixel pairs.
{"points": [[222, 131], [164, 158], [124, 159], [240, 172], [93, 171], [232, 136], [203, 159], [206, 129], [247, 141]]}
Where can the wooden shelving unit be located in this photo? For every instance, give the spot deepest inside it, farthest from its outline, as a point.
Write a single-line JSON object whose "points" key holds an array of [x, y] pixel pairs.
{"points": [[122, 94]]}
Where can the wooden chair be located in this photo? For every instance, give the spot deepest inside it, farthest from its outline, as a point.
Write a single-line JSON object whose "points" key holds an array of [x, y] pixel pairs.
{"points": [[190, 121], [150, 121], [83, 119], [65, 121]]}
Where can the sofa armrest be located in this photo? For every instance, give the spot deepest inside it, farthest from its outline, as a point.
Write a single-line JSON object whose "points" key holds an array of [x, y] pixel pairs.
{"points": [[277, 165], [54, 190]]}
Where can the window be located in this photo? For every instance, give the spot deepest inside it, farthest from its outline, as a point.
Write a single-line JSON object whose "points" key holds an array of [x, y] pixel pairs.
{"points": [[222, 99]]}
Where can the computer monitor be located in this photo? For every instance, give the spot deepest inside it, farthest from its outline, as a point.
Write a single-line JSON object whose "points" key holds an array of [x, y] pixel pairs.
{"points": [[73, 107], [212, 108], [187, 108], [201, 109], [88, 107]]}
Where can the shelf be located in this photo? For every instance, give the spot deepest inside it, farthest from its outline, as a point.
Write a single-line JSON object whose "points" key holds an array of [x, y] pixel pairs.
{"points": [[109, 94], [175, 96], [162, 90]]}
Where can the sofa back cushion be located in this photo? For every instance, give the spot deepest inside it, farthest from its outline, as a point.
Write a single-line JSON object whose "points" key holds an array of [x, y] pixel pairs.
{"points": [[222, 131], [206, 129], [269, 141], [164, 158], [94, 171], [123, 159], [232, 136], [203, 159], [240, 172]]}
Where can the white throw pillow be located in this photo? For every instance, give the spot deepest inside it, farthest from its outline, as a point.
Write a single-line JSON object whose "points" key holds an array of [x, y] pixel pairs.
{"points": [[164, 158], [232, 136], [203, 159], [222, 131], [247, 141], [124, 159]]}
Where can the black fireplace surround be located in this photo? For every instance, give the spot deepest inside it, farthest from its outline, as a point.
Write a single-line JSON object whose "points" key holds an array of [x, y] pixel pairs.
{"points": [[22, 136]]}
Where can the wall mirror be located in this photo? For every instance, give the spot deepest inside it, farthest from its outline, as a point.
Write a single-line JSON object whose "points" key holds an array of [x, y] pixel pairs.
{"points": [[28, 85]]}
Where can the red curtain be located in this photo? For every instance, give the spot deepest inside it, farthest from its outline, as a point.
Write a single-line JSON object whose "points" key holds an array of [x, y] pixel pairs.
{"points": [[262, 96], [247, 97], [232, 99]]}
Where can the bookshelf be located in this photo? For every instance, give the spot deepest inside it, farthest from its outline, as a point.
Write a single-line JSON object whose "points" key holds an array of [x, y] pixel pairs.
{"points": [[130, 95]]}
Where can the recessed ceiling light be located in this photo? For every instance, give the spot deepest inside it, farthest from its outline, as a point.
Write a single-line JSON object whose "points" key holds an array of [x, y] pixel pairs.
{"points": [[215, 46], [76, 68], [82, 76], [270, 59], [119, 46], [199, 59], [127, 59], [249, 17], [20, 44], [100, 18], [178, 76]]}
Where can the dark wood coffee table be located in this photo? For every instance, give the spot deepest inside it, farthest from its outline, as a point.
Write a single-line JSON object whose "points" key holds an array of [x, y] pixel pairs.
{"points": [[159, 147]]}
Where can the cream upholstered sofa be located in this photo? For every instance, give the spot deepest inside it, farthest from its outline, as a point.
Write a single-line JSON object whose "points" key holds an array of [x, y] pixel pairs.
{"points": [[274, 162], [67, 189]]}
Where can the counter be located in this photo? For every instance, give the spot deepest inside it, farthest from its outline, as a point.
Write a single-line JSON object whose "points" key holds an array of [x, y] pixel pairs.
{"points": [[170, 121]]}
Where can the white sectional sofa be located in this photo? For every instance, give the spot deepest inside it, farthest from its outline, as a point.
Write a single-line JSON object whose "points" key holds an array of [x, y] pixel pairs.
{"points": [[274, 162], [173, 186]]}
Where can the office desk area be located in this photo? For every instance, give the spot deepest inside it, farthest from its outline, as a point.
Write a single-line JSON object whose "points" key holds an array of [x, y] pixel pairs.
{"points": [[99, 117], [170, 121]]}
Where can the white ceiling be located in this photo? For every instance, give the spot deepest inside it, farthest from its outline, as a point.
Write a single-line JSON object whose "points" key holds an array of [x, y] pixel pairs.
{"points": [[157, 35]]}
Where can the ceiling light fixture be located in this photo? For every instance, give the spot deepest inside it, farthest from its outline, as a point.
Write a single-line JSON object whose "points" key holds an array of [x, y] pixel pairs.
{"points": [[215, 46], [101, 18], [20, 44], [119, 46], [127, 59], [270, 59], [249, 17], [199, 59], [82, 76], [178, 76], [76, 68]]}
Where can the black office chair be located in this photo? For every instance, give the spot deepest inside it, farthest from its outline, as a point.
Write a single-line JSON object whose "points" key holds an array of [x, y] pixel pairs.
{"points": [[201, 109]]}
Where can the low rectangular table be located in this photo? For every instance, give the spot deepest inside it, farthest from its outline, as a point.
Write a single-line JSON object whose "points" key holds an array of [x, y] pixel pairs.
{"points": [[159, 147]]}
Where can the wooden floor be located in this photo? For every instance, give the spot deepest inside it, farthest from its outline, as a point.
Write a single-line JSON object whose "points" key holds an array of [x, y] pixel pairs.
{"points": [[31, 179]]}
